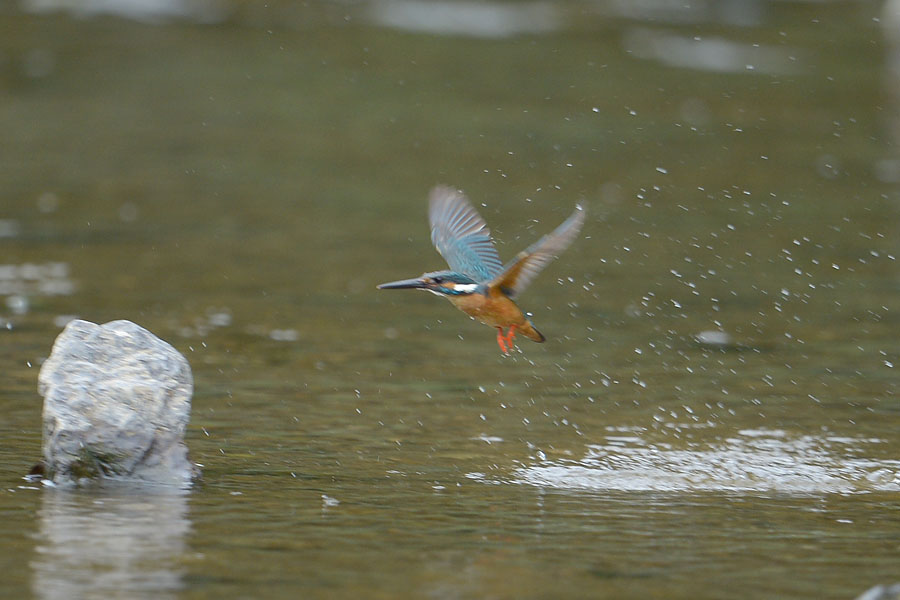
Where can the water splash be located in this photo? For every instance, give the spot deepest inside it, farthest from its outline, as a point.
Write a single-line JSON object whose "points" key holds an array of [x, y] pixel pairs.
{"points": [[152, 11], [709, 54], [475, 19], [760, 461], [33, 279]]}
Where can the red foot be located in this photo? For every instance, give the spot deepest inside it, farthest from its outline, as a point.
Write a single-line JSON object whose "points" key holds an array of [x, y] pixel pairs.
{"points": [[506, 341], [510, 336]]}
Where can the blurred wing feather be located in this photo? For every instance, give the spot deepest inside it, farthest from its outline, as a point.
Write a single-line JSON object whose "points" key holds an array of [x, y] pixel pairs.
{"points": [[519, 272], [461, 235]]}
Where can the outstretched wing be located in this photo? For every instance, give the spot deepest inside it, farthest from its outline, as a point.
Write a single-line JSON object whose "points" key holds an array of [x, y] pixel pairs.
{"points": [[519, 272], [461, 235]]}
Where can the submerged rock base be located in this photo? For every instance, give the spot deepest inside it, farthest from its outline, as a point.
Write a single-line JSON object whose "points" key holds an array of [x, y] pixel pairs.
{"points": [[117, 400]]}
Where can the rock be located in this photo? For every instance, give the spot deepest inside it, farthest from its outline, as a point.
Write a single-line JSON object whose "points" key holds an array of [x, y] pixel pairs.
{"points": [[117, 400]]}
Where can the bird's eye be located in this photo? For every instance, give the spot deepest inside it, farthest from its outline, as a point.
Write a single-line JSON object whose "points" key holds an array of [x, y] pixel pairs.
{"points": [[438, 279]]}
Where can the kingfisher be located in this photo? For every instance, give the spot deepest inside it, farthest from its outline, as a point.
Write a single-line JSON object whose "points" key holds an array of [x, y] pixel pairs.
{"points": [[478, 283]]}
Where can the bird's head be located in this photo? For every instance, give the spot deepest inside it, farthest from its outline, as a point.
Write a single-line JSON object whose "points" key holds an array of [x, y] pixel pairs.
{"points": [[442, 283]]}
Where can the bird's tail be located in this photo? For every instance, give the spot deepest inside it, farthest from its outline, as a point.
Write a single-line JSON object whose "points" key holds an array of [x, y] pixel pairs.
{"points": [[529, 331]]}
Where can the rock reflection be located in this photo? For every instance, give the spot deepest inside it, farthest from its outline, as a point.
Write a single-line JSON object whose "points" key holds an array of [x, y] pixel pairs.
{"points": [[114, 543]]}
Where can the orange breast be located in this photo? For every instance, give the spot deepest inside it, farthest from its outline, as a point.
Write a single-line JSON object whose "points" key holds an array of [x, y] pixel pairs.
{"points": [[495, 309]]}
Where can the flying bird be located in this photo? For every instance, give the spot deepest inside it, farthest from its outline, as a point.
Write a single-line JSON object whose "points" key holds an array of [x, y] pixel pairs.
{"points": [[477, 282]]}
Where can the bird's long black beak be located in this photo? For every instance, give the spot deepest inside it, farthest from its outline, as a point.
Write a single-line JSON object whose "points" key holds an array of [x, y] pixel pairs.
{"points": [[403, 284]]}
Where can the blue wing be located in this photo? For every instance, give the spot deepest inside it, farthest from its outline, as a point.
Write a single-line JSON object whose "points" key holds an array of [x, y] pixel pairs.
{"points": [[527, 264], [461, 235]]}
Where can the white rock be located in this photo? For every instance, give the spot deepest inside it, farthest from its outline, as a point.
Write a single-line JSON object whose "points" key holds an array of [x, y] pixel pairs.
{"points": [[117, 400]]}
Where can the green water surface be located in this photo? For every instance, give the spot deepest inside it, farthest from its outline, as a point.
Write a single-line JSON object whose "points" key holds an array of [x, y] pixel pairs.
{"points": [[240, 186]]}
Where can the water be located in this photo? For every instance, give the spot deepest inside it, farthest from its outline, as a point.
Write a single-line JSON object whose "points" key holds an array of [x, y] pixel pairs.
{"points": [[714, 411]]}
